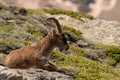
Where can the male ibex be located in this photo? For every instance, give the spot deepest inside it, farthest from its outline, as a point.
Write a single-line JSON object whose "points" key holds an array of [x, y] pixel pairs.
{"points": [[37, 55]]}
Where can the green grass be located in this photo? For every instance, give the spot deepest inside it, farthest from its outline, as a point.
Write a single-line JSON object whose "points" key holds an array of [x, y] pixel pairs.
{"points": [[34, 11], [6, 28], [77, 15], [2, 58], [32, 30], [71, 34], [72, 30], [85, 68], [111, 52]]}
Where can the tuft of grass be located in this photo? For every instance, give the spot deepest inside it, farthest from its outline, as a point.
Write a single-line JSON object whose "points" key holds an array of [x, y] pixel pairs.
{"points": [[34, 11], [71, 34], [111, 52], [76, 50], [72, 30], [8, 44], [6, 28], [2, 57], [32, 30], [82, 52], [77, 15]]}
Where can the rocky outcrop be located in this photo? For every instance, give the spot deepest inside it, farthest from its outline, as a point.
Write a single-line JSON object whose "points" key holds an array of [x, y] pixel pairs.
{"points": [[30, 74], [96, 30], [102, 31]]}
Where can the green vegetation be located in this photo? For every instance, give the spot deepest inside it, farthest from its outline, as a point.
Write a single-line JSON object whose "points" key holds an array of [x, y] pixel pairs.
{"points": [[72, 30], [5, 28], [85, 69], [2, 57], [33, 31], [111, 52], [77, 15], [34, 11], [72, 34]]}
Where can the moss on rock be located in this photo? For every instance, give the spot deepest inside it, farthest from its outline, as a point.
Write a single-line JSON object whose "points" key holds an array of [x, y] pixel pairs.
{"points": [[77, 15]]}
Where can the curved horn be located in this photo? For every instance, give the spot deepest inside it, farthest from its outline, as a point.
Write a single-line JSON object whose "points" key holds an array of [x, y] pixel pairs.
{"points": [[58, 26]]}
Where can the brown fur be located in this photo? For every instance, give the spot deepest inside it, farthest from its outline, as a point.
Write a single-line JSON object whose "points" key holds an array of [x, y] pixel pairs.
{"points": [[37, 55]]}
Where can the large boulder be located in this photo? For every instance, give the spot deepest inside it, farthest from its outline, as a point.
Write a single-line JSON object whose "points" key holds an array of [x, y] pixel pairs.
{"points": [[30, 74]]}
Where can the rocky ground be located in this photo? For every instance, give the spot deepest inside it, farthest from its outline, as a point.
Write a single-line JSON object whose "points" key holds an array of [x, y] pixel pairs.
{"points": [[30, 74]]}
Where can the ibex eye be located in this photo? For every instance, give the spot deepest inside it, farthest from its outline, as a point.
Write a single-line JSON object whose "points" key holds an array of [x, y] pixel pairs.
{"points": [[66, 36]]}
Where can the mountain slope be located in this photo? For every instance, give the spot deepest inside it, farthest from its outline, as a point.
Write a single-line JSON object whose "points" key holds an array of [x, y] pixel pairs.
{"points": [[20, 27]]}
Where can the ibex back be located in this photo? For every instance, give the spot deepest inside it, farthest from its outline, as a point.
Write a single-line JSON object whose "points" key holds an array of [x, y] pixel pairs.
{"points": [[37, 54]]}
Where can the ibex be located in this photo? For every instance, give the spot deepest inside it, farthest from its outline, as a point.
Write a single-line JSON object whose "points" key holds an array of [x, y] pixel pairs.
{"points": [[37, 55]]}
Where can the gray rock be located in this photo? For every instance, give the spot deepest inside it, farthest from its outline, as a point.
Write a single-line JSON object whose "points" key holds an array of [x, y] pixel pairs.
{"points": [[102, 31], [82, 43], [30, 74]]}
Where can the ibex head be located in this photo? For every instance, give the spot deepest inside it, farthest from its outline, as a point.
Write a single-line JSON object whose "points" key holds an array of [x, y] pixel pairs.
{"points": [[58, 36]]}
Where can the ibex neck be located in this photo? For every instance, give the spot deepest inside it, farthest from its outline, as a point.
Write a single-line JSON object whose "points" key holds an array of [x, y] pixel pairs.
{"points": [[46, 46], [49, 46]]}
